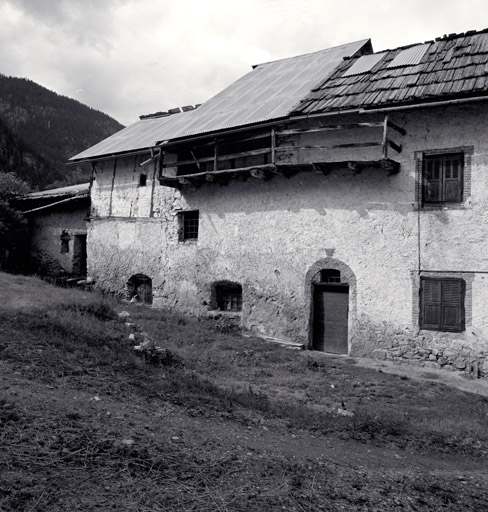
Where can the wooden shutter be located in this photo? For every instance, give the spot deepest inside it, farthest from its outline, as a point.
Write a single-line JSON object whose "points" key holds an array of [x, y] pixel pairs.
{"points": [[453, 177], [452, 318], [442, 304], [431, 297], [443, 178]]}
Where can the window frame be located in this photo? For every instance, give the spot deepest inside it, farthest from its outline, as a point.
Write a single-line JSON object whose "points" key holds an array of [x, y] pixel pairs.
{"points": [[443, 181], [442, 302], [228, 293], [188, 231]]}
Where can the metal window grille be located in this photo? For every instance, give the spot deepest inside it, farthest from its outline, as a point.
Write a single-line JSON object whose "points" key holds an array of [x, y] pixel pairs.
{"points": [[189, 225], [229, 298], [330, 276]]}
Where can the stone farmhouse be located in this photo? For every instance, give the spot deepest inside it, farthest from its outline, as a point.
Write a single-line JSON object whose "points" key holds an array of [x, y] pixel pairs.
{"points": [[337, 199], [58, 230]]}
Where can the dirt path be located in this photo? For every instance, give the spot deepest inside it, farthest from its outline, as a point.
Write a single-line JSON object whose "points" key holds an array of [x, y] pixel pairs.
{"points": [[266, 456]]}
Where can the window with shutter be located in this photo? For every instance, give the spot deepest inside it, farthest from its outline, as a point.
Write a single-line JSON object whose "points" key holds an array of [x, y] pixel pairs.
{"points": [[443, 178], [442, 304]]}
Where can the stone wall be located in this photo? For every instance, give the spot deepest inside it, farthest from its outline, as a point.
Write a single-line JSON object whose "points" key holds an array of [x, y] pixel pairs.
{"points": [[46, 228], [269, 235]]}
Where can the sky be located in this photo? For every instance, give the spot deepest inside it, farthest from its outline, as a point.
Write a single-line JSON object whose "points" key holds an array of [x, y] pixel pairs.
{"points": [[133, 57]]}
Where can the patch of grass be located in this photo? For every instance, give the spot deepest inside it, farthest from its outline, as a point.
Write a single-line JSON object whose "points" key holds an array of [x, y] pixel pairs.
{"points": [[88, 425], [77, 334]]}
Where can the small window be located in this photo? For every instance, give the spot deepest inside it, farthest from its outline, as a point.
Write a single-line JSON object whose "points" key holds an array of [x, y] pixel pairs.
{"points": [[330, 276], [442, 304], [443, 178], [188, 225], [142, 180], [229, 297]]}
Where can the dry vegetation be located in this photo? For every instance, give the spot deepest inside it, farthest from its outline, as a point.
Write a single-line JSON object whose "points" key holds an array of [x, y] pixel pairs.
{"points": [[223, 422]]}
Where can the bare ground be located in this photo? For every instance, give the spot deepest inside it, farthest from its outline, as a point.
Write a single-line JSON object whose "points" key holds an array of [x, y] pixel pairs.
{"points": [[231, 424]]}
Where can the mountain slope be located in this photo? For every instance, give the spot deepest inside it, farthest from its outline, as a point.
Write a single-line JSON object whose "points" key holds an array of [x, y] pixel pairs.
{"points": [[40, 130]]}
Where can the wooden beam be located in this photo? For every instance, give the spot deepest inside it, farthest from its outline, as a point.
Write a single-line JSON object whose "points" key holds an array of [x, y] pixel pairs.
{"points": [[350, 126], [244, 154], [397, 147], [259, 174], [188, 162], [216, 155], [384, 143], [397, 128], [232, 140], [269, 167], [333, 146], [390, 165], [273, 146], [232, 156]]}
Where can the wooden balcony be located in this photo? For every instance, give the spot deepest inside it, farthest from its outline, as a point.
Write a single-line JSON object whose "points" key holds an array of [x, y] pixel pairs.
{"points": [[263, 154]]}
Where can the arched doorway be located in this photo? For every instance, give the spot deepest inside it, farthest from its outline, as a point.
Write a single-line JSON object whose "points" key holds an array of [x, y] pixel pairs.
{"points": [[330, 303], [331, 287], [139, 287]]}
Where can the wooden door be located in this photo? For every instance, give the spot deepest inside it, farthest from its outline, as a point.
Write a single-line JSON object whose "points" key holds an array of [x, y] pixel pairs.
{"points": [[330, 314], [79, 255]]}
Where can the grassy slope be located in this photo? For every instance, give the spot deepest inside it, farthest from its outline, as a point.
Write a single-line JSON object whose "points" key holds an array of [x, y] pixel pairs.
{"points": [[230, 423]]}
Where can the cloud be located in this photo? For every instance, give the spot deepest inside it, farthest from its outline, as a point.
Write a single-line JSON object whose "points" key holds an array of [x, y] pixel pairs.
{"points": [[132, 57]]}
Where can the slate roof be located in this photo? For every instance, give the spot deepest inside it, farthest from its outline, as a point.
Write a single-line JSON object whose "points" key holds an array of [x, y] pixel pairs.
{"points": [[454, 66], [269, 92]]}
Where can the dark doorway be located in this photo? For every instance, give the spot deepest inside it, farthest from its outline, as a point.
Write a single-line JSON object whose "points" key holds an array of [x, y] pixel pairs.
{"points": [[330, 317], [79, 255]]}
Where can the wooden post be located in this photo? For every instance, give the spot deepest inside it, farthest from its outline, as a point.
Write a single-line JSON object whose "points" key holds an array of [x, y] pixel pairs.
{"points": [[216, 155], [385, 138], [273, 145]]}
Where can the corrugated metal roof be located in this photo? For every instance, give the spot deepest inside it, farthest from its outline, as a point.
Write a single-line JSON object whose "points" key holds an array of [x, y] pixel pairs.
{"points": [[364, 64], [452, 67], [270, 91], [409, 56], [71, 190]]}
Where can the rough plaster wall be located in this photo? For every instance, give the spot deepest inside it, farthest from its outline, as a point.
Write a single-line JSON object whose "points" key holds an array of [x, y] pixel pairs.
{"points": [[45, 232], [267, 235]]}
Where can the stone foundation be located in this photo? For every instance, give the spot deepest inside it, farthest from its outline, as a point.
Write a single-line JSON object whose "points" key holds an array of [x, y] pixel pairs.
{"points": [[464, 351]]}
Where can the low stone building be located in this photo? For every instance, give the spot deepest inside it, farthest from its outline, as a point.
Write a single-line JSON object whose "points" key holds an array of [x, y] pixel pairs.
{"points": [[336, 199], [58, 230]]}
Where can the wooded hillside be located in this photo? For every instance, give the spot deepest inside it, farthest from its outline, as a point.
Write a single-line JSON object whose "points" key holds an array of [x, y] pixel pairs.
{"points": [[40, 130]]}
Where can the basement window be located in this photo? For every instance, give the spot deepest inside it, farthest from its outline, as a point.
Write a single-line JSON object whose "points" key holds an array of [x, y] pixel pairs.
{"points": [[188, 225], [443, 178], [442, 304], [142, 180], [229, 297]]}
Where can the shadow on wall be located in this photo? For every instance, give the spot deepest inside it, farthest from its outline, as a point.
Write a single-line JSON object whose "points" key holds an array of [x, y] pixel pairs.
{"points": [[139, 289], [341, 190]]}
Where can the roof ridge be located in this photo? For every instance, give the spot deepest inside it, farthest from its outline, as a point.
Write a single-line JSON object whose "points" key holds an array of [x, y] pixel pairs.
{"points": [[445, 37], [364, 41]]}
